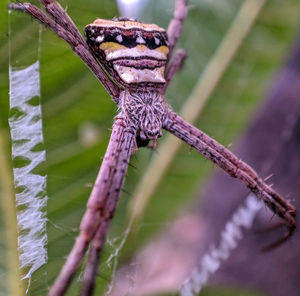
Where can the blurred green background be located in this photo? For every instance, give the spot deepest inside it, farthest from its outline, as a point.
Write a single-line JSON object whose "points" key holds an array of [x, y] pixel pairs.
{"points": [[78, 114]]}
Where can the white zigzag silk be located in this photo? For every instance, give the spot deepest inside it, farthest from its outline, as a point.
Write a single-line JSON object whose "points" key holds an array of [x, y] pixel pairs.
{"points": [[230, 237], [31, 199]]}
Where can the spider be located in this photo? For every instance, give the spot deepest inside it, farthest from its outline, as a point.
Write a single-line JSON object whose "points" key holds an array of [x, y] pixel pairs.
{"points": [[135, 62]]}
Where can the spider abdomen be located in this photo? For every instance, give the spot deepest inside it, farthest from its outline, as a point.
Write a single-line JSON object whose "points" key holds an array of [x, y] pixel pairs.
{"points": [[133, 53]]}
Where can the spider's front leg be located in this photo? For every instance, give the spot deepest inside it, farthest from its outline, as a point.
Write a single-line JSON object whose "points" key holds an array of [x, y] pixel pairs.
{"points": [[175, 65], [236, 168], [101, 205], [61, 24], [175, 25], [175, 61]]}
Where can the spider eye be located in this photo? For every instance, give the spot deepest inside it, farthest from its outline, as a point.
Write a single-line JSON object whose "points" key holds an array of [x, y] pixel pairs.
{"points": [[157, 41]]}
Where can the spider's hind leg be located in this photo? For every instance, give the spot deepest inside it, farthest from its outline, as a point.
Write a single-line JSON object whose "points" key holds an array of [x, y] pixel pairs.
{"points": [[236, 168], [284, 238], [175, 25]]}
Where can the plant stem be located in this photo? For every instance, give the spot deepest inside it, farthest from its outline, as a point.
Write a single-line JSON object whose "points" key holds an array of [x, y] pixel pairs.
{"points": [[13, 286]]}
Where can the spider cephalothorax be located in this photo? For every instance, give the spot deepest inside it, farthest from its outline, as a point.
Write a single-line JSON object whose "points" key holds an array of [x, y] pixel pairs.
{"points": [[148, 106], [135, 55]]}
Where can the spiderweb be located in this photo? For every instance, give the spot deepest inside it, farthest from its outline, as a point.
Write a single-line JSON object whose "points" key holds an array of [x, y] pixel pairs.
{"points": [[71, 188], [33, 244]]}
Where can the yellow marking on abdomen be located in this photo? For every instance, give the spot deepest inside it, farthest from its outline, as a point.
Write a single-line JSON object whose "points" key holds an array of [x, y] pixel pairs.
{"points": [[111, 46], [163, 49]]}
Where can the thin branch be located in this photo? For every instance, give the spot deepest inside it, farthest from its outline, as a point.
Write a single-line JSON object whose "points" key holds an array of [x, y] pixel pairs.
{"points": [[13, 285], [102, 202]]}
